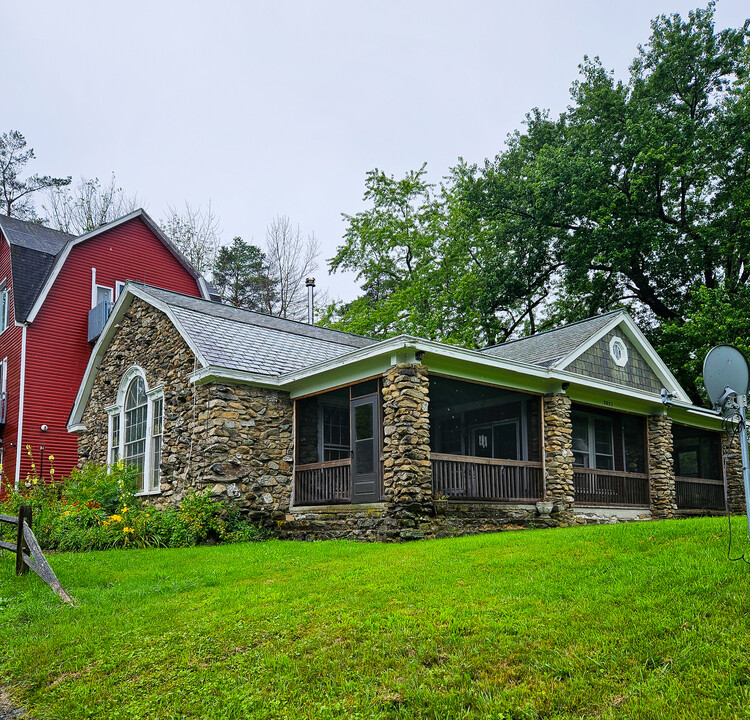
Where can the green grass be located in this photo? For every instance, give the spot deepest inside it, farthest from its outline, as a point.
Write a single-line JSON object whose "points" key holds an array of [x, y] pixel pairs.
{"points": [[631, 621]]}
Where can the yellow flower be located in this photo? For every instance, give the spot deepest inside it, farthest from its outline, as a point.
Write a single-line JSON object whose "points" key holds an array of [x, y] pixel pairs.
{"points": [[51, 458], [115, 518], [67, 512], [28, 447], [128, 530], [52, 471], [124, 510]]}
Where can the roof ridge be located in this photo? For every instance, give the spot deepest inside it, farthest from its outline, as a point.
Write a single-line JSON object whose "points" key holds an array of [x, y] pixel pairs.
{"points": [[555, 329]]}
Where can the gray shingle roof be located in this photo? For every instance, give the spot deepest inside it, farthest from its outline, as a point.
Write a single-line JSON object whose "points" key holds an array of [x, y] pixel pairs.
{"points": [[33, 249], [548, 348], [240, 339]]}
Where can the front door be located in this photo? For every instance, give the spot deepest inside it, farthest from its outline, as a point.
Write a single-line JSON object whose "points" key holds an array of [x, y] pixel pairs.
{"points": [[365, 444]]}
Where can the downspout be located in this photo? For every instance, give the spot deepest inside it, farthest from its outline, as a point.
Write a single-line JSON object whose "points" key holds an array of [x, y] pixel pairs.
{"points": [[19, 433]]}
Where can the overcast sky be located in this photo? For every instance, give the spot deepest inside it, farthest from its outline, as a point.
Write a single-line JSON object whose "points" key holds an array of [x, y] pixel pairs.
{"points": [[269, 108]]}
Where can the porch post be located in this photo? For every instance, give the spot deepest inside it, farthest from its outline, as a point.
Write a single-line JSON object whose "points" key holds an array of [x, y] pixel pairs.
{"points": [[558, 455], [661, 467], [735, 483], [407, 471]]}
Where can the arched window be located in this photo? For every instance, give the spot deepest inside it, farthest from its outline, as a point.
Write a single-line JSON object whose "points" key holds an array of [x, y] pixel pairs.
{"points": [[135, 428]]}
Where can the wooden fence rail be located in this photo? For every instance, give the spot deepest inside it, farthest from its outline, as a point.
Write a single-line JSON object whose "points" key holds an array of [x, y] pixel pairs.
{"points": [[29, 555]]}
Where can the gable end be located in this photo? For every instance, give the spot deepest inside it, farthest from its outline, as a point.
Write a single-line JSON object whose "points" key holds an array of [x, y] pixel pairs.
{"points": [[597, 362]]}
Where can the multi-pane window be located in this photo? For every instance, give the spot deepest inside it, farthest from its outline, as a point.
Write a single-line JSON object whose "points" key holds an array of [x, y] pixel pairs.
{"points": [[157, 413], [4, 308], [335, 432], [593, 445], [136, 427]]}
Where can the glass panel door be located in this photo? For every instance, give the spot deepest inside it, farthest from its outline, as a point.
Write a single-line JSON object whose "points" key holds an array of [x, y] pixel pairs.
{"points": [[365, 445]]}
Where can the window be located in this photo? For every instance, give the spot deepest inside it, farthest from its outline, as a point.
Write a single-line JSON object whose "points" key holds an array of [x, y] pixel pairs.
{"points": [[119, 287], [136, 425], [4, 307], [103, 294], [619, 351], [592, 441]]}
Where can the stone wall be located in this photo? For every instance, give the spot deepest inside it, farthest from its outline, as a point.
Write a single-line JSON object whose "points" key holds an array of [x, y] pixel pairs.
{"points": [[735, 483], [558, 452], [661, 467], [235, 441], [407, 472]]}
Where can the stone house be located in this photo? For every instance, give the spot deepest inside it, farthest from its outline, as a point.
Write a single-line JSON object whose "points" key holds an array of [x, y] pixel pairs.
{"points": [[318, 433]]}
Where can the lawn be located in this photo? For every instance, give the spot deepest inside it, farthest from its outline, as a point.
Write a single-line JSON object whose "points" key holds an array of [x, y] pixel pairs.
{"points": [[644, 620]]}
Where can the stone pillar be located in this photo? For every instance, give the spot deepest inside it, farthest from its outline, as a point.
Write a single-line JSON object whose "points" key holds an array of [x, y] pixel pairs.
{"points": [[407, 472], [661, 467], [735, 485], [558, 456]]}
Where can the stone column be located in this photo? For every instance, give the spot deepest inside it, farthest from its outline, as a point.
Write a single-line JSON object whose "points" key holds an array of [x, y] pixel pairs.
{"points": [[735, 484], [407, 472], [558, 456], [661, 467]]}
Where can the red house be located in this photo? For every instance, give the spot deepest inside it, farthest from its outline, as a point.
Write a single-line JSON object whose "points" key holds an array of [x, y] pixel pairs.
{"points": [[56, 291]]}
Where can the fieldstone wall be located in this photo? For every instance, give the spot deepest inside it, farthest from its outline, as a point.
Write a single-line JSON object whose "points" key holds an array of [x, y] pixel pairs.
{"points": [[407, 472], [235, 441], [558, 456], [661, 467], [735, 483]]}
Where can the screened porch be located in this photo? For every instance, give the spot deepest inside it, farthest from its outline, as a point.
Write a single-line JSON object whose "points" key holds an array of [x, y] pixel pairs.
{"points": [[485, 442]]}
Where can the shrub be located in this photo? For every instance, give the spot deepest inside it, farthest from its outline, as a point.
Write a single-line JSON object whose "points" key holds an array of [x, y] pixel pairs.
{"points": [[96, 508]]}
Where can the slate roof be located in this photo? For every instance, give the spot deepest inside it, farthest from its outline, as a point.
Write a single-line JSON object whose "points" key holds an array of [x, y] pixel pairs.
{"points": [[33, 249], [239, 339], [548, 348]]}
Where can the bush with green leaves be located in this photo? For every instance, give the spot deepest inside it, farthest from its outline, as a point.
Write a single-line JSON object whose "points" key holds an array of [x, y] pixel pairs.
{"points": [[96, 508]]}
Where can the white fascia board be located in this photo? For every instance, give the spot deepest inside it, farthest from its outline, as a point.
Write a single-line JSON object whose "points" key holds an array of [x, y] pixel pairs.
{"points": [[118, 311], [643, 346], [213, 372]]}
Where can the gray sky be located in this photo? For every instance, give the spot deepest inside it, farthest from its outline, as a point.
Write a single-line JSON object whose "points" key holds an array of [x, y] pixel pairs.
{"points": [[270, 108]]}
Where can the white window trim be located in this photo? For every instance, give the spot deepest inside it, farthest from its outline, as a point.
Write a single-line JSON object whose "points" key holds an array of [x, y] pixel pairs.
{"points": [[622, 361], [119, 287], [5, 317], [152, 395], [96, 293]]}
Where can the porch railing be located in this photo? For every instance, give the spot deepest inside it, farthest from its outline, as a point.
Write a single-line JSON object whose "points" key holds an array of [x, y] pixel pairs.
{"points": [[98, 317], [473, 478], [323, 483], [610, 487], [699, 494]]}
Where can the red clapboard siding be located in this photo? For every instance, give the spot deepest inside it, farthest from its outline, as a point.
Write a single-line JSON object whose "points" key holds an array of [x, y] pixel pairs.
{"points": [[57, 347], [10, 347]]}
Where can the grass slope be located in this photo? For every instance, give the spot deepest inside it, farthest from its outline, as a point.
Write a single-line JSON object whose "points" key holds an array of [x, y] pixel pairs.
{"points": [[633, 621]]}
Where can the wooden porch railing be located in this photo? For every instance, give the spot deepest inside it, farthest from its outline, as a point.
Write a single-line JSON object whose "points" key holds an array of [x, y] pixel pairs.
{"points": [[699, 494], [323, 483], [610, 487], [473, 478]]}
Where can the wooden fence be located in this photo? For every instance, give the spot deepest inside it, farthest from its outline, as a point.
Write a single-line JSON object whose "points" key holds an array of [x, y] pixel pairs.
{"points": [[473, 478], [29, 555], [611, 487]]}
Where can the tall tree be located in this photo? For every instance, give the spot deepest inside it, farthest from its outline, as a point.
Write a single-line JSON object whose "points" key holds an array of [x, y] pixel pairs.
{"points": [[196, 233], [291, 259], [87, 206], [638, 195], [241, 275], [15, 193]]}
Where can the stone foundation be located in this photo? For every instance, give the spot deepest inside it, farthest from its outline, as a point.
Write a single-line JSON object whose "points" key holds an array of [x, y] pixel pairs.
{"points": [[735, 483]]}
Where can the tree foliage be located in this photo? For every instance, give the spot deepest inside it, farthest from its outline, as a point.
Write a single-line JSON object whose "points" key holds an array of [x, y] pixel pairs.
{"points": [[637, 196], [15, 193], [87, 206], [196, 234], [292, 257], [241, 275]]}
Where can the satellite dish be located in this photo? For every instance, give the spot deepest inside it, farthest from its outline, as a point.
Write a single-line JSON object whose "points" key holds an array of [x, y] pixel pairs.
{"points": [[725, 367]]}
